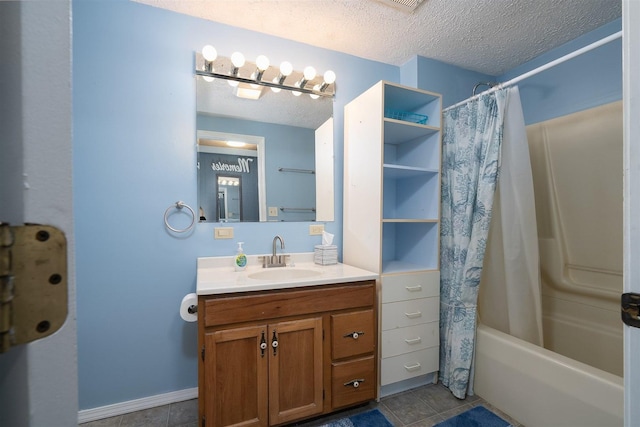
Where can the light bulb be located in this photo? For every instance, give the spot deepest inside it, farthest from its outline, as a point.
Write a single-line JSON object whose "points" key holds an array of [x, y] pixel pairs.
{"points": [[237, 59], [313, 95], [276, 89], [309, 73], [295, 92], [262, 62], [209, 53], [286, 68], [329, 77], [254, 77]]}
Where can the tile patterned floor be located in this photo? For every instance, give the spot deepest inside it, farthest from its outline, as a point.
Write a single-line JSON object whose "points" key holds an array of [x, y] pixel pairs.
{"points": [[420, 407]]}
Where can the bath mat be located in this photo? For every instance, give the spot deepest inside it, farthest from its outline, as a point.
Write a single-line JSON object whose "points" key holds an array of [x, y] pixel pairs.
{"points": [[373, 418], [475, 417]]}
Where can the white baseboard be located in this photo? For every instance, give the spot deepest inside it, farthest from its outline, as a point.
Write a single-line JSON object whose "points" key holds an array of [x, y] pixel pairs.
{"points": [[116, 409]]}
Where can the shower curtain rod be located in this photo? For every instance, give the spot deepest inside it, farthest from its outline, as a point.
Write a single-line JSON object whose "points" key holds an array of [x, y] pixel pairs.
{"points": [[544, 67]]}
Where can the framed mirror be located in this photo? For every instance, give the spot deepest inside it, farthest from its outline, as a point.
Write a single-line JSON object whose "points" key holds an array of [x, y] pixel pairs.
{"points": [[279, 147]]}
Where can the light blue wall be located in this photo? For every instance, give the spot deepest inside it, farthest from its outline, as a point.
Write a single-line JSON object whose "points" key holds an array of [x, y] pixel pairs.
{"points": [[592, 79], [454, 83], [134, 138], [589, 80], [134, 156]]}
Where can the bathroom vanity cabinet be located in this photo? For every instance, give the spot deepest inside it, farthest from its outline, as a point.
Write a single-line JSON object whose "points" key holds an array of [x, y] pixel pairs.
{"points": [[277, 356], [391, 220]]}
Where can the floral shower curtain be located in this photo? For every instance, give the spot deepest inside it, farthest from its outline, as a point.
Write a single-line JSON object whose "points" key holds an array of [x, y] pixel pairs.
{"points": [[472, 139]]}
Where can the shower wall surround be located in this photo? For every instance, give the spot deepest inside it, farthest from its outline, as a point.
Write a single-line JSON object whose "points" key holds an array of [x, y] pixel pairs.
{"points": [[134, 136]]}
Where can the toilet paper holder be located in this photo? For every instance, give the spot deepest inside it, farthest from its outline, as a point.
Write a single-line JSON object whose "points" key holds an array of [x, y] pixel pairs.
{"points": [[193, 309]]}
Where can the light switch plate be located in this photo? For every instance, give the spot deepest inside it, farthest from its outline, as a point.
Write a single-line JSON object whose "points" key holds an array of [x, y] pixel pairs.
{"points": [[223, 232], [273, 211], [316, 229]]}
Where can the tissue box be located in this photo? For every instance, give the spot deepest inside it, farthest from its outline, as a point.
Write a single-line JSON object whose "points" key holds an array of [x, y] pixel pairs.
{"points": [[325, 254]]}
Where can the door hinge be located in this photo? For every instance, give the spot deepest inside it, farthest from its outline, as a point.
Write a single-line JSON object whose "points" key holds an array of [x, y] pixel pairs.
{"points": [[33, 283], [630, 309], [204, 422], [202, 353]]}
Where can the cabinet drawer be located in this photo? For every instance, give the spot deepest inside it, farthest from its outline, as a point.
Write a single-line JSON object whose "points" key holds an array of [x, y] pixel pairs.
{"points": [[412, 338], [353, 382], [404, 287], [405, 366], [223, 310], [409, 313], [351, 334]]}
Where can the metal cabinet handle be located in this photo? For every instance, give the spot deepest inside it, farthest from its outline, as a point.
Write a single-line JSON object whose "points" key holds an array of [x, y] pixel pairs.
{"points": [[274, 343], [412, 367], [354, 383], [353, 335], [413, 315], [263, 345]]}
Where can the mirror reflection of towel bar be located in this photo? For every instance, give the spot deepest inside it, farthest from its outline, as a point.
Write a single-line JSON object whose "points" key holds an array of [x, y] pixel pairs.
{"points": [[297, 170], [298, 209]]}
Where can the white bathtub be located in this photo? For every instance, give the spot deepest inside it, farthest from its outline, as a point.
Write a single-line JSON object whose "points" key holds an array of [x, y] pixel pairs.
{"points": [[540, 388]]}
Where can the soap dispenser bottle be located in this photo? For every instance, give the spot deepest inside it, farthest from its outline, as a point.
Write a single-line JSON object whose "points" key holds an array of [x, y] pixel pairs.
{"points": [[240, 261]]}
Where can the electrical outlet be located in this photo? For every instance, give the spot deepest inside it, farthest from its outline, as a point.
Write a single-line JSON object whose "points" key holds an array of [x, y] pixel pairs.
{"points": [[223, 233], [316, 229], [273, 211]]}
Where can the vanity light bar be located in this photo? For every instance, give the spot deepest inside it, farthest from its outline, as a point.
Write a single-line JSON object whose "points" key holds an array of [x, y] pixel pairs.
{"points": [[316, 89]]}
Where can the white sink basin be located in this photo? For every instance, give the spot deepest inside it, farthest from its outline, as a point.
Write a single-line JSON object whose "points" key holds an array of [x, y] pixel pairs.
{"points": [[284, 273]]}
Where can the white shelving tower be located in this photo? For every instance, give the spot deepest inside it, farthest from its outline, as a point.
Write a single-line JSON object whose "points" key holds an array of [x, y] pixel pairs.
{"points": [[391, 222]]}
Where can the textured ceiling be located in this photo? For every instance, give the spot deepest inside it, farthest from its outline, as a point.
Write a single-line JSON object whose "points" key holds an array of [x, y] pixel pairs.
{"points": [[489, 36]]}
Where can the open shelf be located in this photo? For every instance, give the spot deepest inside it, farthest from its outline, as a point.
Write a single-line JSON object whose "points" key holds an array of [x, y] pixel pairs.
{"points": [[422, 152], [397, 97], [409, 246], [398, 131], [410, 195], [399, 172]]}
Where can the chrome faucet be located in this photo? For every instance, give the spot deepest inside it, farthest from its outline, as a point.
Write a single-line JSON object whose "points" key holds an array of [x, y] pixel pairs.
{"points": [[275, 240], [276, 260]]}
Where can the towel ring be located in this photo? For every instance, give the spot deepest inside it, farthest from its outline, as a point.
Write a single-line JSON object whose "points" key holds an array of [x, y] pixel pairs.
{"points": [[179, 205]]}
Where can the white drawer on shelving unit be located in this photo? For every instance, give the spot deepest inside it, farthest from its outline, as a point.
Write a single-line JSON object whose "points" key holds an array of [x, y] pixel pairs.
{"points": [[403, 287], [409, 365], [408, 313], [412, 338]]}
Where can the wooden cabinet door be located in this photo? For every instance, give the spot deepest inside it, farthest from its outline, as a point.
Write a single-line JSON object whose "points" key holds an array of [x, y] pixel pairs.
{"points": [[295, 370], [236, 376]]}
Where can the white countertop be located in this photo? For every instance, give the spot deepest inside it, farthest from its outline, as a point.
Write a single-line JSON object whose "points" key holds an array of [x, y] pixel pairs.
{"points": [[216, 275]]}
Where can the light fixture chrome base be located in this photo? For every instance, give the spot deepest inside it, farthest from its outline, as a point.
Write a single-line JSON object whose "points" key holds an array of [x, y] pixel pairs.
{"points": [[269, 84]]}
